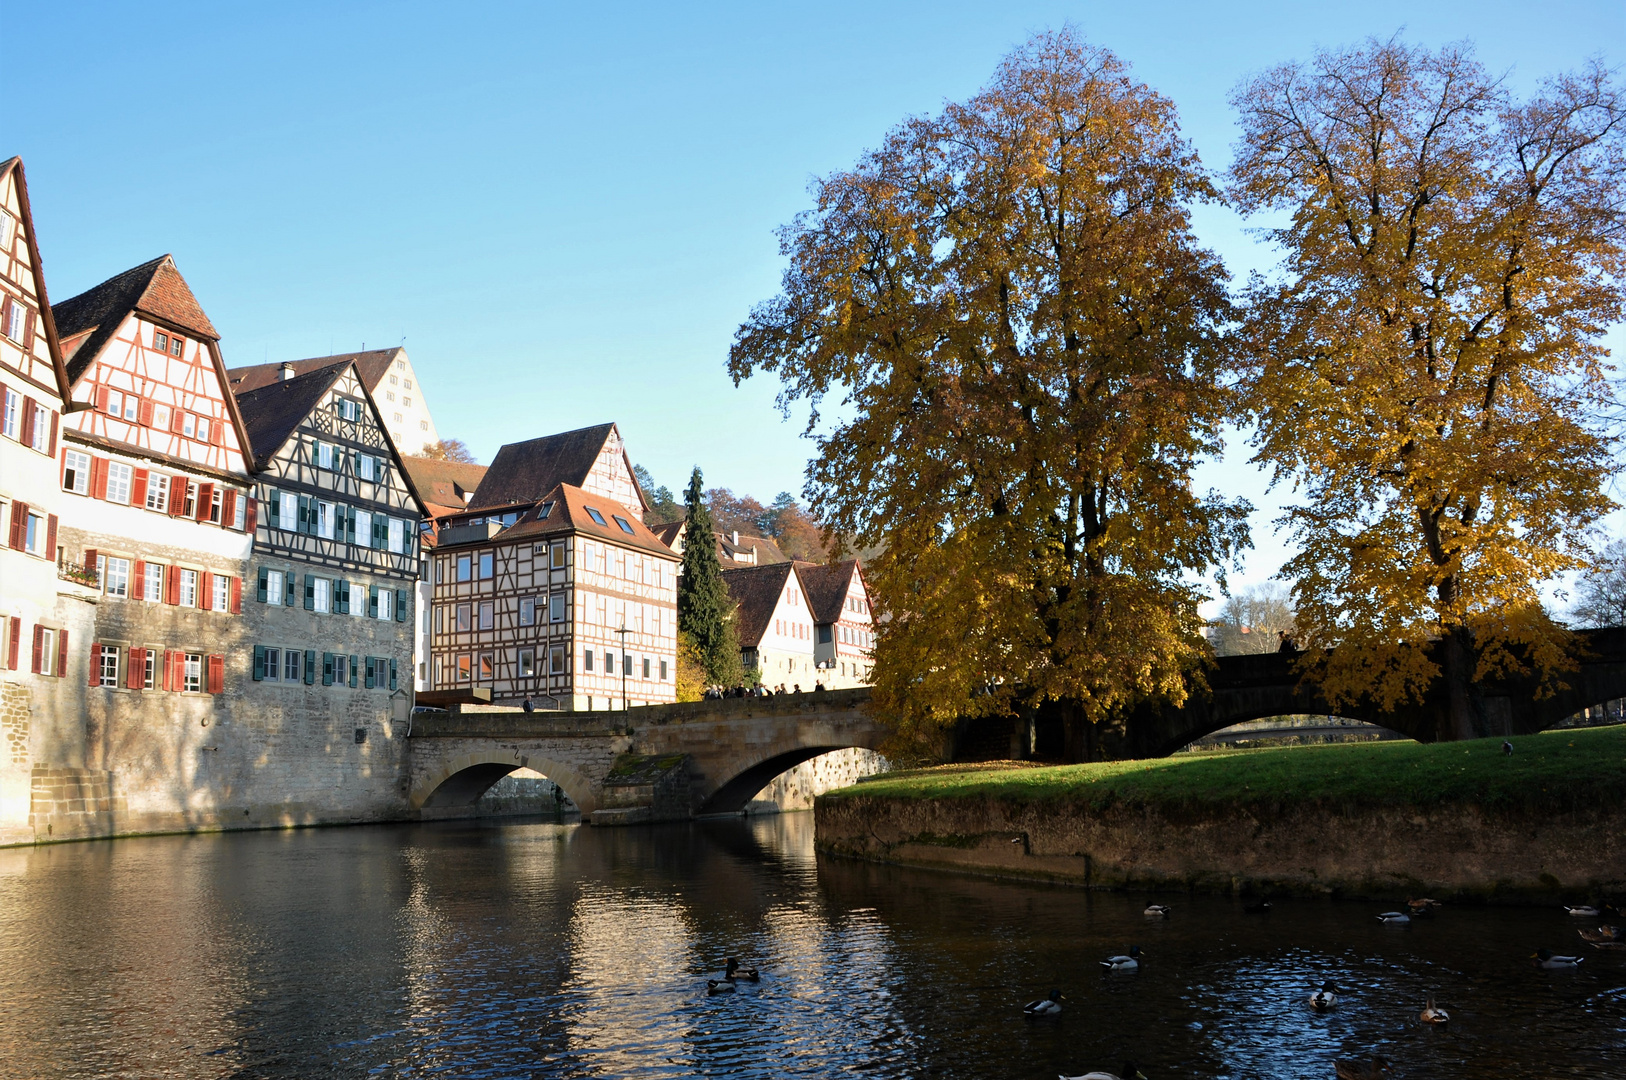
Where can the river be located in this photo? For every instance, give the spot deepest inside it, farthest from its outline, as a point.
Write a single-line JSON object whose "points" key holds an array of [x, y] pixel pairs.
{"points": [[524, 949]]}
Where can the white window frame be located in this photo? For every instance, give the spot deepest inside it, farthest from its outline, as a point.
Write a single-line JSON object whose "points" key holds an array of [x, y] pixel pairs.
{"points": [[288, 512], [203, 429], [189, 425], [192, 673], [293, 662], [397, 537], [324, 455], [556, 660], [221, 600], [119, 479], [109, 664], [77, 464], [13, 413], [158, 492], [17, 325], [366, 467], [116, 576], [189, 588], [273, 663], [152, 583], [34, 535], [364, 528], [556, 608], [527, 611], [274, 586], [324, 596], [486, 608], [239, 517], [324, 519], [386, 605], [527, 663]]}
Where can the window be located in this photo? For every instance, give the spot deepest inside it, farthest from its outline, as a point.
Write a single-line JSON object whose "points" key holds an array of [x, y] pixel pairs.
{"points": [[149, 667], [463, 663], [116, 576], [527, 611], [595, 515], [239, 516], [324, 455], [407, 384], [109, 661], [175, 345], [192, 673], [389, 395], [42, 431], [527, 663], [118, 482], [291, 666], [587, 659], [160, 417], [341, 669], [288, 512], [273, 665], [397, 535], [487, 565], [609, 662], [464, 618], [386, 605], [365, 466], [407, 402], [273, 587], [488, 666], [115, 403], [348, 410], [546, 509], [189, 588], [364, 529], [621, 521], [323, 594], [556, 660], [394, 382], [221, 587], [190, 509], [13, 413], [75, 472], [152, 584], [646, 667], [160, 341], [556, 607], [488, 615], [663, 671], [203, 430], [423, 425], [214, 504], [626, 663], [557, 561], [324, 520], [189, 425], [400, 365], [463, 568], [158, 492]]}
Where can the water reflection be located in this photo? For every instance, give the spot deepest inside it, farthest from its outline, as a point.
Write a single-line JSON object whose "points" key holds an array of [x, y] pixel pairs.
{"points": [[467, 950]]}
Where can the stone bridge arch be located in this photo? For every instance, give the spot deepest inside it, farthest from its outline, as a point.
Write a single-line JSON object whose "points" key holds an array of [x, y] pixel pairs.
{"points": [[732, 794], [460, 780]]}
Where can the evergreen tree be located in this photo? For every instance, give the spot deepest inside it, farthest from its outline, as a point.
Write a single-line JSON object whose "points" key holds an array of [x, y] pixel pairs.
{"points": [[705, 612]]}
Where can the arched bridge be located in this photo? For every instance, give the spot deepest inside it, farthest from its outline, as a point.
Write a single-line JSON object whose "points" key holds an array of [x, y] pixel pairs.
{"points": [[651, 763]]}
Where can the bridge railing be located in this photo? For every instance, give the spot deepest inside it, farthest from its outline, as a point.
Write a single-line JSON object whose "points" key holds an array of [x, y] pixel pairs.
{"points": [[499, 721]]}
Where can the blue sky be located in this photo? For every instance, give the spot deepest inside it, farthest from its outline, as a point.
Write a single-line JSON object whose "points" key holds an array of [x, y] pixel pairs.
{"points": [[566, 210]]}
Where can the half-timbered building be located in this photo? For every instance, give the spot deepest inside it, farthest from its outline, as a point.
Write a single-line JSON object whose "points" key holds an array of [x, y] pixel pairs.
{"points": [[334, 572], [843, 631], [551, 589], [387, 375], [45, 620], [155, 505], [775, 624]]}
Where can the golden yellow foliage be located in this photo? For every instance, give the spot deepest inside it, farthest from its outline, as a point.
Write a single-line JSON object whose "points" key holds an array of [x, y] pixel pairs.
{"points": [[1008, 300], [1426, 368]]}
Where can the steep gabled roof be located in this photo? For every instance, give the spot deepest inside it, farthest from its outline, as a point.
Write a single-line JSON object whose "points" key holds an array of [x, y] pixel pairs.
{"points": [[567, 507], [271, 414], [826, 587], [524, 472], [155, 289], [371, 367], [443, 484], [756, 589], [53, 343], [765, 549]]}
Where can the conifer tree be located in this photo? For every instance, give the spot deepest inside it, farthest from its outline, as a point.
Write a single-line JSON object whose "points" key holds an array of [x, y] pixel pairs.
{"points": [[705, 612]]}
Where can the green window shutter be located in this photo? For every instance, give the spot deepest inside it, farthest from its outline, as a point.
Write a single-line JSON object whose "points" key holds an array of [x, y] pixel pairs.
{"points": [[369, 680], [310, 666], [350, 524], [259, 592], [353, 659], [290, 588], [327, 669], [275, 515], [378, 470], [310, 592], [341, 596], [401, 604], [259, 660], [302, 522], [392, 673], [372, 601]]}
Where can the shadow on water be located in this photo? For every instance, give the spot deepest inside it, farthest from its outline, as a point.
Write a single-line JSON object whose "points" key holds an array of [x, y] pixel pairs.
{"points": [[514, 949]]}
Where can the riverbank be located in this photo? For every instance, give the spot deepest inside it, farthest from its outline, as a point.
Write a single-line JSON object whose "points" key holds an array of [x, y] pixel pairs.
{"points": [[1460, 821]]}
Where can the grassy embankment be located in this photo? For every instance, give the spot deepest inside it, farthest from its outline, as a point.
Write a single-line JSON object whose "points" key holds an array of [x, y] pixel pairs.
{"points": [[1552, 772]]}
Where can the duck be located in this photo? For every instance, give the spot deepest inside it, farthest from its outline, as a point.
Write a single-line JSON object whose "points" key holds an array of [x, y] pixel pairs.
{"points": [[1432, 1013], [1546, 958], [1260, 908], [719, 986], [1424, 906], [1157, 911], [1604, 937], [1128, 1072], [1375, 1067], [1124, 963], [1324, 999], [1045, 1006], [734, 973], [1394, 918], [1582, 911]]}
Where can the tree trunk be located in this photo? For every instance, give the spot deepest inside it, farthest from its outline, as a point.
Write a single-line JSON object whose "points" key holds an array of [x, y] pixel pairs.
{"points": [[1464, 718]]}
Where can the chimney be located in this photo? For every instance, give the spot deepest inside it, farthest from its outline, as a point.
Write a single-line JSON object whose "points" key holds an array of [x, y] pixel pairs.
{"points": [[736, 538], [288, 372]]}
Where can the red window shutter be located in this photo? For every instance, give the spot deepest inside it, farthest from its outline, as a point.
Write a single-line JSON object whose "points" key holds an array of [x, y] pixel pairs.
{"points": [[217, 674], [207, 593], [145, 414], [167, 670], [90, 558], [252, 516], [217, 432], [102, 394], [228, 507], [98, 477], [175, 416], [95, 663], [61, 653], [50, 446], [135, 675], [172, 594], [28, 421], [138, 488], [138, 587], [50, 536], [28, 333], [206, 498], [177, 495], [19, 525], [236, 596], [13, 641], [39, 647]]}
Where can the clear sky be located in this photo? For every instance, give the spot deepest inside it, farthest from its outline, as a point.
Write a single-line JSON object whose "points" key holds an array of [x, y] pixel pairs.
{"points": [[564, 211]]}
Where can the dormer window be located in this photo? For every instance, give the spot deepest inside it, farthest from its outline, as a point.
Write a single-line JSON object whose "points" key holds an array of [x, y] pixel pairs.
{"points": [[621, 521], [595, 515], [542, 514]]}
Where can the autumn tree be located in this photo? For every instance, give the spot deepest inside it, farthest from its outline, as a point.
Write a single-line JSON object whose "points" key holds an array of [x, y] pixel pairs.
{"points": [[1008, 300], [1253, 621], [705, 610], [449, 450], [1427, 365]]}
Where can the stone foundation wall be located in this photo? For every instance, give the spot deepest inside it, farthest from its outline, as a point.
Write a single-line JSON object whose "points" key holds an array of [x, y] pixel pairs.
{"points": [[71, 804], [796, 788]]}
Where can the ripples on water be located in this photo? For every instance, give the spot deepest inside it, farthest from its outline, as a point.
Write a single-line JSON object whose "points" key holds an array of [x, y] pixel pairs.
{"points": [[522, 950]]}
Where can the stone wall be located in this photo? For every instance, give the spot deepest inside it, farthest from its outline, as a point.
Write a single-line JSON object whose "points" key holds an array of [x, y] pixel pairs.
{"points": [[795, 789]]}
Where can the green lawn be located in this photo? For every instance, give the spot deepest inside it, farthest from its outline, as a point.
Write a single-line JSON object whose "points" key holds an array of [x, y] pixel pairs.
{"points": [[1559, 770]]}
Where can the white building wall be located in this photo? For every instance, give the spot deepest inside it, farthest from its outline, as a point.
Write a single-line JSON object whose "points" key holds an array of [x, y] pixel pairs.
{"points": [[400, 401]]}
